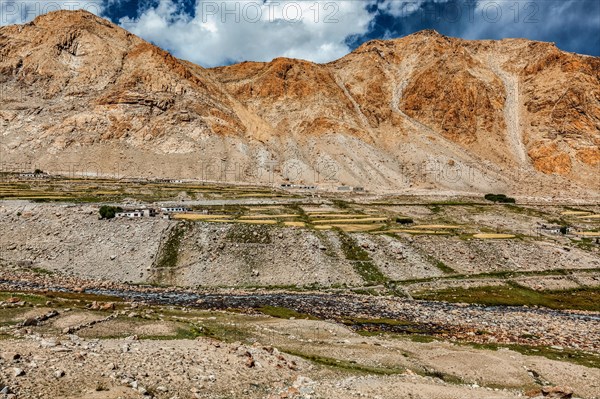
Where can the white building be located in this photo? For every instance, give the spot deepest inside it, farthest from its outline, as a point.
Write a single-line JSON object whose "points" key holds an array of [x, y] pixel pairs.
{"points": [[137, 213], [174, 209]]}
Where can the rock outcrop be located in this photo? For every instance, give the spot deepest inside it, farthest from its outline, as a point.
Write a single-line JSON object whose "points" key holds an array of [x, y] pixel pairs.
{"points": [[421, 112]]}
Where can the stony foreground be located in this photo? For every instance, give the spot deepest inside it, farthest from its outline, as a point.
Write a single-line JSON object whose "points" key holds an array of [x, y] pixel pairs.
{"points": [[68, 345], [72, 367]]}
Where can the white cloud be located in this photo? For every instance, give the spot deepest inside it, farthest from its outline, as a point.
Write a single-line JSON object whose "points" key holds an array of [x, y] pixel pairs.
{"points": [[231, 31], [405, 8]]}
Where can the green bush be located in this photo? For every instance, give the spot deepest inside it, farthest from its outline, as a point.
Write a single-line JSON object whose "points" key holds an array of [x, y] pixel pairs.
{"points": [[109, 212], [499, 198]]}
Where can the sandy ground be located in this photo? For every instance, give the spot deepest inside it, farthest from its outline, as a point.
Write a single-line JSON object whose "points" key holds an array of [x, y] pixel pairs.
{"points": [[43, 362]]}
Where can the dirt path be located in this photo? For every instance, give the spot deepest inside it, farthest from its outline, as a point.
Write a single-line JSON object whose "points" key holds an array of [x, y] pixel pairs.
{"points": [[511, 111]]}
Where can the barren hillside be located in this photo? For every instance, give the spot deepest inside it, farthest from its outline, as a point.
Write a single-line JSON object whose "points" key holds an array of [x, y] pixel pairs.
{"points": [[426, 111]]}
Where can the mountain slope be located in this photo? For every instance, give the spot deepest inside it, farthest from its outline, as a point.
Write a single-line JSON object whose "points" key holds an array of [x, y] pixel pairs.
{"points": [[421, 112]]}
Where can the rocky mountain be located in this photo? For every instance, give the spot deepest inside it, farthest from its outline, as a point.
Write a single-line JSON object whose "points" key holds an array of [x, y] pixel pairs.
{"points": [[426, 111]]}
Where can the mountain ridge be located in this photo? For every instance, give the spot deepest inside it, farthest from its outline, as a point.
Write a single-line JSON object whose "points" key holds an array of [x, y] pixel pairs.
{"points": [[377, 117]]}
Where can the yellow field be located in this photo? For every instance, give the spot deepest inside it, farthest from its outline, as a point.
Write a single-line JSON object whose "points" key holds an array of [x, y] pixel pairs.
{"points": [[337, 215], [294, 224], [268, 216], [416, 231], [589, 217], [436, 227], [106, 192], [260, 208], [54, 197], [254, 195], [256, 221], [352, 228], [350, 221], [253, 221], [589, 233], [493, 236], [323, 227], [196, 216], [575, 213]]}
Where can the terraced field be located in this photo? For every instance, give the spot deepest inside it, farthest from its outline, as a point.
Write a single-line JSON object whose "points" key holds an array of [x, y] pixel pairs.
{"points": [[379, 272]]}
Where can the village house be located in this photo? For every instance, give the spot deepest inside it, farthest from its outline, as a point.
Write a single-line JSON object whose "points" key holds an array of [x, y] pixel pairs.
{"points": [[34, 175], [298, 186], [174, 209], [553, 229], [137, 213]]}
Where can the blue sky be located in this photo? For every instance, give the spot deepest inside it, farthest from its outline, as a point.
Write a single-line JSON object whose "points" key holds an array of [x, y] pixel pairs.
{"points": [[220, 32]]}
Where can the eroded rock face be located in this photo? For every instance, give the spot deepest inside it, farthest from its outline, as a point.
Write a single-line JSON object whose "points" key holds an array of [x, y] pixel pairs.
{"points": [[76, 87]]}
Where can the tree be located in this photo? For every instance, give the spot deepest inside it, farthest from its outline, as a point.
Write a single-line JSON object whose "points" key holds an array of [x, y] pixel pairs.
{"points": [[499, 198], [109, 212], [38, 172]]}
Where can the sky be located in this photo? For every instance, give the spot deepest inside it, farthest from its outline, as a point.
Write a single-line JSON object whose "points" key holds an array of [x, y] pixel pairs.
{"points": [[221, 32]]}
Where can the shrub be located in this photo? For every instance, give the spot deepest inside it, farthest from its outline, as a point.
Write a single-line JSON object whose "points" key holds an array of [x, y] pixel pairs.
{"points": [[404, 220], [499, 198], [109, 212], [38, 172]]}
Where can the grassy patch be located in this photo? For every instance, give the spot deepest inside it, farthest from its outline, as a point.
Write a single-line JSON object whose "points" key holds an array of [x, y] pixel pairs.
{"points": [[435, 209], [170, 250], [582, 358], [444, 267], [340, 204], [187, 332], [284, 313], [374, 327], [361, 260], [346, 365], [249, 234], [168, 255], [516, 295], [29, 298]]}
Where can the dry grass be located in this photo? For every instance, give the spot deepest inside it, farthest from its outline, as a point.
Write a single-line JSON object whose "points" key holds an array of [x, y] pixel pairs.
{"points": [[53, 197], [253, 195], [323, 227], [106, 192], [353, 228], [416, 231], [256, 221], [575, 213], [261, 208], [437, 227], [319, 211], [294, 224], [350, 221], [493, 236], [589, 217], [196, 216], [268, 216], [589, 233], [335, 215]]}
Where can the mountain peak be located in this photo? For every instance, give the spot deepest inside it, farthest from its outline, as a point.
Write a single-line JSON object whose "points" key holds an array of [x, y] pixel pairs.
{"points": [[73, 81], [427, 32], [67, 17]]}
